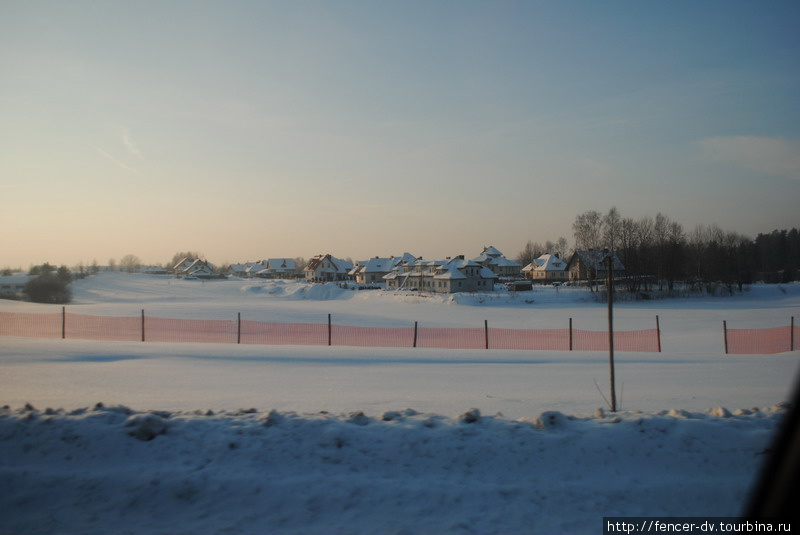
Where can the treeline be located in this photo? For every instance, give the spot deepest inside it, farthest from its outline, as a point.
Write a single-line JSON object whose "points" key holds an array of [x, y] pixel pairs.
{"points": [[658, 253]]}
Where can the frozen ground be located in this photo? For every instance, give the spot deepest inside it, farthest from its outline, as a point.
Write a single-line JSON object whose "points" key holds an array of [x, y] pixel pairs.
{"points": [[396, 450]]}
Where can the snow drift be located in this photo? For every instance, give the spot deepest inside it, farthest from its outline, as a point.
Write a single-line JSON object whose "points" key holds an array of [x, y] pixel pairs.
{"points": [[401, 472]]}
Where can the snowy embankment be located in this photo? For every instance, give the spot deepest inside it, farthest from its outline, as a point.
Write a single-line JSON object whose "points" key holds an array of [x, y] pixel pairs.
{"points": [[287, 467], [110, 469]]}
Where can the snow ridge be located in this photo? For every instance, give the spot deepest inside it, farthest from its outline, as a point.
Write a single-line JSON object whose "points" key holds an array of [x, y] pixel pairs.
{"points": [[399, 472]]}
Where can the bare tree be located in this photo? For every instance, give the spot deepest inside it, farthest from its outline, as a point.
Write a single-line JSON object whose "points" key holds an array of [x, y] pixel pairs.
{"points": [[562, 247], [130, 263], [611, 224], [529, 252], [587, 230], [300, 264]]}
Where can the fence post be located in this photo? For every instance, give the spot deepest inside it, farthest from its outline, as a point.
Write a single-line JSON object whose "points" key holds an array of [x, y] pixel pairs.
{"points": [[329, 329], [63, 322], [725, 331], [415, 334], [486, 332], [238, 327], [658, 333], [142, 325], [791, 335], [570, 334], [610, 292]]}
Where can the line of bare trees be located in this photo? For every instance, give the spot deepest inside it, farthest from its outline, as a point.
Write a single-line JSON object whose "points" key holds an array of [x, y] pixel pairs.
{"points": [[658, 252]]}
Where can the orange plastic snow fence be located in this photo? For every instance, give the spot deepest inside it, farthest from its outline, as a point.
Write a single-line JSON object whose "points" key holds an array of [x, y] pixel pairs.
{"points": [[540, 339], [120, 329], [761, 341], [309, 334], [155, 329], [31, 325]]}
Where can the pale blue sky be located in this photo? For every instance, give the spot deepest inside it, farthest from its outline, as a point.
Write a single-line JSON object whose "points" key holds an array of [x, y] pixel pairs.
{"points": [[264, 129]]}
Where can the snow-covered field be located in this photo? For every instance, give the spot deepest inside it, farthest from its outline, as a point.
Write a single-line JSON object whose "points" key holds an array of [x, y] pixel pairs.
{"points": [[283, 439]]}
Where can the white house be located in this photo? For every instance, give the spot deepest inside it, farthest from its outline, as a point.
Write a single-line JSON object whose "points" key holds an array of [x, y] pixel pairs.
{"points": [[323, 268], [442, 276], [273, 268], [373, 270], [191, 267], [281, 268], [241, 270], [546, 268], [498, 263]]}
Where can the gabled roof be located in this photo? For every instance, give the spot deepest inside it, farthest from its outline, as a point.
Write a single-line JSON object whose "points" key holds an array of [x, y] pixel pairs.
{"points": [[449, 273], [491, 251], [487, 273], [547, 262], [255, 267], [502, 261], [240, 268], [595, 259], [378, 265], [492, 256], [341, 266], [183, 263], [281, 264]]}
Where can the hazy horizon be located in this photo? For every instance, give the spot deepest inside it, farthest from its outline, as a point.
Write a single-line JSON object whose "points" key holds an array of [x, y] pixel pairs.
{"points": [[249, 130]]}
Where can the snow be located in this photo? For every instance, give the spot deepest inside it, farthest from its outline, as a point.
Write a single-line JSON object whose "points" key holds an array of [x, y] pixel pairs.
{"points": [[282, 439]]}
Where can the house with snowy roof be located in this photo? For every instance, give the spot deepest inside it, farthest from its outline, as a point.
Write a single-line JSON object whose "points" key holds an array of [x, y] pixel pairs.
{"points": [[241, 270], [196, 268], [274, 268], [451, 275], [373, 270], [591, 264], [498, 263], [323, 268], [257, 269], [282, 268], [547, 268]]}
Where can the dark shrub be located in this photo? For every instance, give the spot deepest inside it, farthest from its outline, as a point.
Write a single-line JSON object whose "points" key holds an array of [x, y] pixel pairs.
{"points": [[48, 289]]}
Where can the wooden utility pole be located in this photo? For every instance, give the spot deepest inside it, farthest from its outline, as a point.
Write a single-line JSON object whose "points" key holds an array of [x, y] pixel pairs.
{"points": [[610, 292]]}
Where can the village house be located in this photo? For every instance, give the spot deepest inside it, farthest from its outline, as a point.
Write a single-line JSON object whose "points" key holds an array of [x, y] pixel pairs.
{"points": [[498, 263], [273, 268], [591, 265], [546, 268], [441, 276], [241, 270], [324, 268], [195, 268], [13, 286], [281, 268], [373, 270]]}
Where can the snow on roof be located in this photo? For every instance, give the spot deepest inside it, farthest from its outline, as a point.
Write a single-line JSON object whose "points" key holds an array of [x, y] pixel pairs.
{"points": [[378, 265], [450, 273], [491, 251], [341, 266], [487, 273], [492, 256], [502, 261], [281, 264], [549, 262]]}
